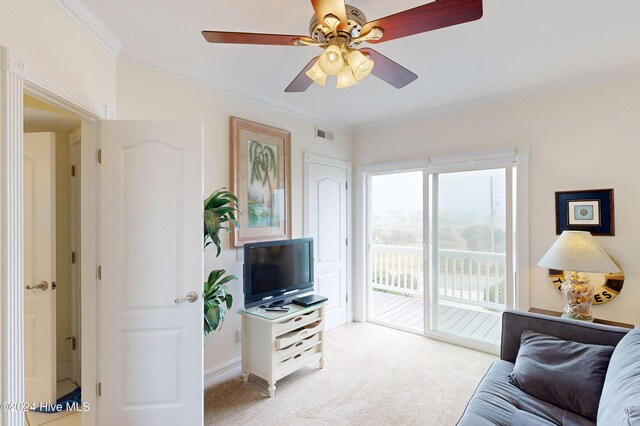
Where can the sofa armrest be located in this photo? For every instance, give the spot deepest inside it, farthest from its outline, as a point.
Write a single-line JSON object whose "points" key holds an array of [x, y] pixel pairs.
{"points": [[515, 322]]}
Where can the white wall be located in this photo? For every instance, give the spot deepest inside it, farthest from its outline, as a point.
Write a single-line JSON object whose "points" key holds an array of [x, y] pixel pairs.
{"points": [[42, 34], [587, 138], [146, 95]]}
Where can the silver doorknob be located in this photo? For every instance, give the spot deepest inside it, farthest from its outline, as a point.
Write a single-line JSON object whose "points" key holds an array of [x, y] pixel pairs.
{"points": [[42, 285], [191, 297]]}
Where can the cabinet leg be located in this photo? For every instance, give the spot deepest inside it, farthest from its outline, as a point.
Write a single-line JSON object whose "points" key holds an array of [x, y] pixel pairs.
{"points": [[272, 390], [321, 363], [245, 376]]}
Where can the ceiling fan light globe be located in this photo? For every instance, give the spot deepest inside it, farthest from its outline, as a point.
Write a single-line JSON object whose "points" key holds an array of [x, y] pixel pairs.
{"points": [[345, 78], [360, 65], [331, 61], [317, 75]]}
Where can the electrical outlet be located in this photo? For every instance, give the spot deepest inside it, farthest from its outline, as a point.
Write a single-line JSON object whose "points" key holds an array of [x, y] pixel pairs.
{"points": [[238, 336]]}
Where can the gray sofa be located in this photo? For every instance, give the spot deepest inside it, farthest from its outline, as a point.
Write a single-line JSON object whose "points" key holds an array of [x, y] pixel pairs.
{"points": [[498, 401]]}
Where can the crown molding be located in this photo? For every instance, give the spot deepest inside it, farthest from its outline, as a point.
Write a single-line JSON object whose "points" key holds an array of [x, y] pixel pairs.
{"points": [[88, 22], [558, 86], [204, 80], [92, 25], [83, 17]]}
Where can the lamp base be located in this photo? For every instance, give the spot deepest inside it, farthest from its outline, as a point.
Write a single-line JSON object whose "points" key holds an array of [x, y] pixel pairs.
{"points": [[576, 319], [578, 296]]}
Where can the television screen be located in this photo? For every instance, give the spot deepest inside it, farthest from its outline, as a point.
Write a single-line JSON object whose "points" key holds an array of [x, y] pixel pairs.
{"points": [[277, 267]]}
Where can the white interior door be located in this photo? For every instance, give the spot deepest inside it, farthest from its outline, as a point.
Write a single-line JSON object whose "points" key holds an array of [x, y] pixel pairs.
{"points": [[151, 345], [327, 224], [39, 268]]}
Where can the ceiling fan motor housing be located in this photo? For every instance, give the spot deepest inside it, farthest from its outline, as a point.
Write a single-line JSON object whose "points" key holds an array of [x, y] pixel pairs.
{"points": [[355, 21]]}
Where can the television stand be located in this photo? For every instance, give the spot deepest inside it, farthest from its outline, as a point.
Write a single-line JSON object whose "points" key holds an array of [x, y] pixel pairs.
{"points": [[275, 344]]}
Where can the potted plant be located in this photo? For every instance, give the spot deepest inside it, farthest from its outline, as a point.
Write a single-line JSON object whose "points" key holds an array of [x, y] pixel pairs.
{"points": [[219, 214]]}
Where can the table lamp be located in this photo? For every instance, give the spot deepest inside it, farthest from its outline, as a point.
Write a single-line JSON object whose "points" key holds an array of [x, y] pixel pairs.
{"points": [[577, 252]]}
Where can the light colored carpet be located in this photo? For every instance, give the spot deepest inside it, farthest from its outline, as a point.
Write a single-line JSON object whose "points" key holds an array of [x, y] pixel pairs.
{"points": [[373, 376]]}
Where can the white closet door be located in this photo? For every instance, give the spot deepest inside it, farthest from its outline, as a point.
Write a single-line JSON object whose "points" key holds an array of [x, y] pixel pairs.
{"points": [[327, 212]]}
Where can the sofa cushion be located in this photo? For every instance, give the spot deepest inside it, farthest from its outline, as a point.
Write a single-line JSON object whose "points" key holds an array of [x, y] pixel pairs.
{"points": [[567, 374], [498, 402], [622, 385], [633, 415]]}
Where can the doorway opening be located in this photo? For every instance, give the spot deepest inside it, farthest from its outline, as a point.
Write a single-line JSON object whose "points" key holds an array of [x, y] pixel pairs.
{"points": [[52, 288]]}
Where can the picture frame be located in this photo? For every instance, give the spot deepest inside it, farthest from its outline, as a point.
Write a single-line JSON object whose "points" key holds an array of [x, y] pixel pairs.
{"points": [[585, 210], [260, 176]]}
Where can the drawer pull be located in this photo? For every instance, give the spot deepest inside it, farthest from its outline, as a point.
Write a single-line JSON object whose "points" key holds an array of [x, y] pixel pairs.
{"points": [[300, 343], [297, 319], [297, 356]]}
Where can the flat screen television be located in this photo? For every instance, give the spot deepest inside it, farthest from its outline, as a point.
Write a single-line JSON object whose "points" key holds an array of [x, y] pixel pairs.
{"points": [[277, 271]]}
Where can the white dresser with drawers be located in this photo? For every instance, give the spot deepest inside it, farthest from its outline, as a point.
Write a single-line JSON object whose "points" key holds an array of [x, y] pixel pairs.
{"points": [[275, 344]]}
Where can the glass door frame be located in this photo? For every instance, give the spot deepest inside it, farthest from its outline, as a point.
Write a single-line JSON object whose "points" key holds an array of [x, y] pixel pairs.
{"points": [[431, 197], [367, 175], [516, 162]]}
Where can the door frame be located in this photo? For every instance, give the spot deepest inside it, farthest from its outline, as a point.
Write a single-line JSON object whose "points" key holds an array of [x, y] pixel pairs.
{"points": [[340, 164], [18, 77], [75, 278], [432, 187]]}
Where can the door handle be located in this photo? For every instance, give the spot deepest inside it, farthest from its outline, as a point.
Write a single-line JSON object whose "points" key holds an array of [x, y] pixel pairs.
{"points": [[42, 285], [191, 297]]}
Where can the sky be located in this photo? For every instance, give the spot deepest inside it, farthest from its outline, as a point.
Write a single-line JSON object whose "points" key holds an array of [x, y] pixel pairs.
{"points": [[460, 192]]}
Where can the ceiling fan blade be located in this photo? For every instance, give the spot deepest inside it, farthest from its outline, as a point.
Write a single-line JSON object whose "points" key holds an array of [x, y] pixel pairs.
{"points": [[330, 7], [387, 70], [251, 38], [302, 81], [428, 17]]}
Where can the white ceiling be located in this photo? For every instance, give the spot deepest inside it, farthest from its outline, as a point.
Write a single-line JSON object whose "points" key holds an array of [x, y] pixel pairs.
{"points": [[516, 46]]}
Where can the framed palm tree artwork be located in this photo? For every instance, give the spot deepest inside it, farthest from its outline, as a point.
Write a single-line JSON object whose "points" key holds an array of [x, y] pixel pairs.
{"points": [[261, 179]]}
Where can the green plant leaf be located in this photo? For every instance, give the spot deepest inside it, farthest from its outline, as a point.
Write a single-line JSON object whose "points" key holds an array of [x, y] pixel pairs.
{"points": [[220, 210]]}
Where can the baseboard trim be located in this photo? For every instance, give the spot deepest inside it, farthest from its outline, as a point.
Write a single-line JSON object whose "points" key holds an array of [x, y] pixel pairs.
{"points": [[222, 372], [63, 372]]}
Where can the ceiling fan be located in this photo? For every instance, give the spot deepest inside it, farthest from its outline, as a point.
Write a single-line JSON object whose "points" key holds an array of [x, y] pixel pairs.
{"points": [[339, 29]]}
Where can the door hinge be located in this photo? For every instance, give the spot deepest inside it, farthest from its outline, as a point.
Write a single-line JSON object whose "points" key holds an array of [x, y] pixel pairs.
{"points": [[99, 156], [99, 389], [53, 285], [346, 298], [346, 186], [99, 272], [73, 171], [73, 342], [73, 257], [346, 241]]}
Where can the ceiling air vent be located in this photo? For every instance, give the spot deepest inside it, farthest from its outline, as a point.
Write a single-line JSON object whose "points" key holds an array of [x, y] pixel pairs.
{"points": [[323, 134]]}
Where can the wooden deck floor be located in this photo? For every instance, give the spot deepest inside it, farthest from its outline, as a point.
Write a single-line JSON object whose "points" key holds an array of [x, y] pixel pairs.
{"points": [[408, 312]]}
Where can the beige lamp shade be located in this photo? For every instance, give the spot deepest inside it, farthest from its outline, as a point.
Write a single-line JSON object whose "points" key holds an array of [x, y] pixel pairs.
{"points": [[345, 78], [331, 60], [577, 251], [360, 64], [316, 74]]}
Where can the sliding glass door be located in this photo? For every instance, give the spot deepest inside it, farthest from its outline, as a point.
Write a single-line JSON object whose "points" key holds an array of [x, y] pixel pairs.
{"points": [[441, 249], [469, 252], [396, 260]]}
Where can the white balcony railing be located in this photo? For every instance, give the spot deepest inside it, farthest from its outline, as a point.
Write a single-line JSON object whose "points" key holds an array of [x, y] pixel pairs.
{"points": [[472, 277]]}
